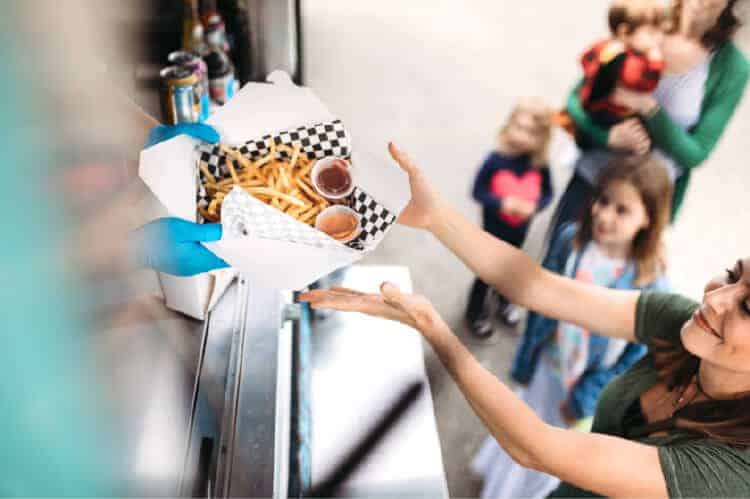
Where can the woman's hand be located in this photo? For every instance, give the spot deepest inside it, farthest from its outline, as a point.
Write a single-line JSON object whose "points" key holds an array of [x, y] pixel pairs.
{"points": [[421, 212], [413, 310], [640, 102], [630, 136]]}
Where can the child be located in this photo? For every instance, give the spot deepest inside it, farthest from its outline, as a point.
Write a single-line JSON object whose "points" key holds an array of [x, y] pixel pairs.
{"points": [[512, 185], [631, 59], [562, 367]]}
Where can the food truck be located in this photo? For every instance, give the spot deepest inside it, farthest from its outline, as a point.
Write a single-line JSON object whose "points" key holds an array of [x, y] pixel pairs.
{"points": [[240, 390]]}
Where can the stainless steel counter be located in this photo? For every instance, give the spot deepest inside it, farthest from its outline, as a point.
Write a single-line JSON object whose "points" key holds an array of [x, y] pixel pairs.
{"points": [[203, 407], [212, 408], [359, 365]]}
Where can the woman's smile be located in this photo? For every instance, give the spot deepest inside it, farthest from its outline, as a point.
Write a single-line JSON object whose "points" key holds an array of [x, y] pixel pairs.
{"points": [[701, 321]]}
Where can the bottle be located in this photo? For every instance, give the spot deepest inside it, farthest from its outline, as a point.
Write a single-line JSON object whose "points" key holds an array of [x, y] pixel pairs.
{"points": [[216, 35], [192, 29], [220, 76], [208, 12]]}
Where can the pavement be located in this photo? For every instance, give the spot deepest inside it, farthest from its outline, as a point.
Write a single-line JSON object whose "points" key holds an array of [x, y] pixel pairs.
{"points": [[439, 77]]}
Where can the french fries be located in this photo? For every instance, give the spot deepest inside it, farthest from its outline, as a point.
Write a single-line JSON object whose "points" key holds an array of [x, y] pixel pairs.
{"points": [[282, 183]]}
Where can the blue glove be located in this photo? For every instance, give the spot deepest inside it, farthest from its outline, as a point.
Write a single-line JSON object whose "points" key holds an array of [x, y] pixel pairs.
{"points": [[173, 246], [199, 131]]}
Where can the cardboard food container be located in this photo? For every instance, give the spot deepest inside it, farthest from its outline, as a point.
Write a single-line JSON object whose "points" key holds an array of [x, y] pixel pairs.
{"points": [[269, 247]]}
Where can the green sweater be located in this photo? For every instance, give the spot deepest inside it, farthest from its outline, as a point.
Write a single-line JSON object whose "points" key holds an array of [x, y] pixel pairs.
{"points": [[727, 78]]}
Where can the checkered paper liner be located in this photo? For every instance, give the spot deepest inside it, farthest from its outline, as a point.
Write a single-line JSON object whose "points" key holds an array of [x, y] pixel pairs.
{"points": [[315, 141], [374, 219], [246, 215]]}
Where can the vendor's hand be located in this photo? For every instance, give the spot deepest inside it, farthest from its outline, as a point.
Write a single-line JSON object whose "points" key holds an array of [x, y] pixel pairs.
{"points": [[200, 131], [630, 136], [413, 310], [640, 102], [173, 246], [421, 212]]}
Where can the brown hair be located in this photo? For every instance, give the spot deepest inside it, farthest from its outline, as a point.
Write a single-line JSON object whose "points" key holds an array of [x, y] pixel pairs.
{"points": [[725, 421], [721, 32], [649, 177], [636, 13], [542, 113]]}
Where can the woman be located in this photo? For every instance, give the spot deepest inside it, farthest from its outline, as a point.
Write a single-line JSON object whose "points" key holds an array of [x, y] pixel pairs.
{"points": [[704, 80], [676, 424]]}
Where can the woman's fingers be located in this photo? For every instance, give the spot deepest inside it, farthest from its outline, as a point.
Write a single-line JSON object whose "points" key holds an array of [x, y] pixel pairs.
{"points": [[348, 300], [418, 308], [403, 160], [393, 296], [348, 291], [412, 310]]}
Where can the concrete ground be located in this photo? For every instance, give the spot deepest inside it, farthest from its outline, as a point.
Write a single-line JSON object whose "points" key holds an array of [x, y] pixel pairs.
{"points": [[438, 77]]}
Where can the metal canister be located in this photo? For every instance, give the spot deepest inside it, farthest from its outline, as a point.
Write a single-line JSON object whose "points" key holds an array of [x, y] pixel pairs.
{"points": [[198, 66], [178, 101], [220, 76]]}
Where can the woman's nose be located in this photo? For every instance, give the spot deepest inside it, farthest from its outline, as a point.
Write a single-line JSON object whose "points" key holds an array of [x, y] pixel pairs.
{"points": [[721, 299]]}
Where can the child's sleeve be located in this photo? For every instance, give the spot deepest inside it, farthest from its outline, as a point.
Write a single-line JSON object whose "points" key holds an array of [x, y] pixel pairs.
{"points": [[547, 191], [481, 191], [595, 134]]}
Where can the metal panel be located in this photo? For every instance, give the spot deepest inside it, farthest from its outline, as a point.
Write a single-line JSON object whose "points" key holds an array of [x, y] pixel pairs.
{"points": [[239, 445], [360, 364], [274, 38]]}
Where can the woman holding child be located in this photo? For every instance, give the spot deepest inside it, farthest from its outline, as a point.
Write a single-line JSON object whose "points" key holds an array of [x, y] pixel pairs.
{"points": [[676, 424], [703, 81]]}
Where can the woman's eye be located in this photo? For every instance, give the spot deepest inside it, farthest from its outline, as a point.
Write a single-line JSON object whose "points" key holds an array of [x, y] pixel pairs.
{"points": [[732, 276], [745, 307], [621, 210], [604, 200]]}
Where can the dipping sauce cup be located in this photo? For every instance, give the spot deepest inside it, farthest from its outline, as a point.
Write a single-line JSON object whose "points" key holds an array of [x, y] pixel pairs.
{"points": [[339, 222], [332, 178]]}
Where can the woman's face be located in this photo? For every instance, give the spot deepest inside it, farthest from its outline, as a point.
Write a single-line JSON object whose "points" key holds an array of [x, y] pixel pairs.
{"points": [[719, 331], [701, 15]]}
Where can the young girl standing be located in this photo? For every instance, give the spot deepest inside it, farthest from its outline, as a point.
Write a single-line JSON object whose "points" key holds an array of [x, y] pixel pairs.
{"points": [[512, 185], [561, 366]]}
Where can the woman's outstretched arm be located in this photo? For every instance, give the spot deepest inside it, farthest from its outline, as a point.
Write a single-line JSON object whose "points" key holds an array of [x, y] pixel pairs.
{"points": [[511, 271], [607, 465]]}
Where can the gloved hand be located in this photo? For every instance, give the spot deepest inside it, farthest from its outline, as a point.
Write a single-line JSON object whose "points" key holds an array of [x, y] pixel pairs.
{"points": [[200, 131], [173, 246]]}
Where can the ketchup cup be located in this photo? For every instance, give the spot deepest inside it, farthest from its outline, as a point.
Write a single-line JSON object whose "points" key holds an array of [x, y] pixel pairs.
{"points": [[332, 178]]}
